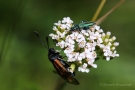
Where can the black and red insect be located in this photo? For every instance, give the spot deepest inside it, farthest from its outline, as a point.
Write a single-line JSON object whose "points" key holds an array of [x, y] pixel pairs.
{"points": [[61, 66]]}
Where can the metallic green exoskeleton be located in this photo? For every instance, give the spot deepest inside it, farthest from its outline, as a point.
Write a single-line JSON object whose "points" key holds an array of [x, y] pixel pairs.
{"points": [[83, 25]]}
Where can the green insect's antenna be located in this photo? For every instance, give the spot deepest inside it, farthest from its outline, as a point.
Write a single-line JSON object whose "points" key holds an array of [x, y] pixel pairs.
{"points": [[41, 40]]}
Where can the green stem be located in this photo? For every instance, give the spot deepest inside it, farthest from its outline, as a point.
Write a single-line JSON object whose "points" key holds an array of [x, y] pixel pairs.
{"points": [[61, 84]]}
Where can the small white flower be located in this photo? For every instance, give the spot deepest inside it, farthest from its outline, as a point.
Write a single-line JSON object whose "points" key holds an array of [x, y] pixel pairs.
{"points": [[116, 44], [107, 58], [109, 44], [54, 36], [84, 32], [91, 62], [99, 40], [83, 68], [108, 33], [58, 33], [115, 54], [74, 35], [110, 40], [101, 45], [106, 40], [91, 55], [108, 54], [81, 56], [76, 55], [68, 26], [61, 44], [69, 49], [91, 46], [97, 35], [55, 28], [62, 35], [69, 40], [106, 48], [113, 48], [58, 24], [67, 20], [80, 38], [103, 35], [100, 30], [63, 26], [113, 38], [97, 27], [92, 36], [82, 44]]}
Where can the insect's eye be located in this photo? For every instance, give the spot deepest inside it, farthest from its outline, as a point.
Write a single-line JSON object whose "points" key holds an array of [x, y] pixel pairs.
{"points": [[60, 56], [82, 21]]}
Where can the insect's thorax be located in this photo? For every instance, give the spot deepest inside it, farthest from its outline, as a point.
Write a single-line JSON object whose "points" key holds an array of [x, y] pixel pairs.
{"points": [[75, 27], [53, 54]]}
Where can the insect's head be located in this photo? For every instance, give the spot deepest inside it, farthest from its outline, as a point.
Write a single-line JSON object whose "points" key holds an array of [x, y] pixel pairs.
{"points": [[82, 21], [74, 27], [53, 51]]}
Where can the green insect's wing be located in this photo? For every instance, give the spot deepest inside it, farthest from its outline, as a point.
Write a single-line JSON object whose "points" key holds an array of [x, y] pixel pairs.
{"points": [[86, 24]]}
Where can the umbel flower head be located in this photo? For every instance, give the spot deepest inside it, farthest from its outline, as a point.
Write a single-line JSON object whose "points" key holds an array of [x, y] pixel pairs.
{"points": [[84, 47]]}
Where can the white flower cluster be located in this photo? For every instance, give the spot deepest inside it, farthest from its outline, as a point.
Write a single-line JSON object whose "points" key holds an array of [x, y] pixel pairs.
{"points": [[85, 46]]}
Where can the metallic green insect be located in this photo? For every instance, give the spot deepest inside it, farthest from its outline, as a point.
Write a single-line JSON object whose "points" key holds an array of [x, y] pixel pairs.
{"points": [[83, 25]]}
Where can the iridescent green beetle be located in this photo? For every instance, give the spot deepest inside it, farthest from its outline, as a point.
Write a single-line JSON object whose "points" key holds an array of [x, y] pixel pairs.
{"points": [[83, 25]]}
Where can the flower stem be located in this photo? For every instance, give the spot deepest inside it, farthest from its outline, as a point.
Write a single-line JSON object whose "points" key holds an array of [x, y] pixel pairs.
{"points": [[61, 84]]}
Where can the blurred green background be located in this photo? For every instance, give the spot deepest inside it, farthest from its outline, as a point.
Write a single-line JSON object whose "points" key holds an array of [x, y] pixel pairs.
{"points": [[23, 60]]}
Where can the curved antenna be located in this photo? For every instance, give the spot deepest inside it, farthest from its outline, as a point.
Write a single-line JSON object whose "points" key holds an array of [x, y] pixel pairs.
{"points": [[47, 42], [40, 39]]}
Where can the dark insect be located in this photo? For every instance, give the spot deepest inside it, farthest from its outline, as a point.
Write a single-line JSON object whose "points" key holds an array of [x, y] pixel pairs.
{"points": [[60, 65], [82, 25]]}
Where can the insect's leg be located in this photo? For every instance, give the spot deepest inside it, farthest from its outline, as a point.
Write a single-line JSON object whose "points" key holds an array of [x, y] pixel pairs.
{"points": [[86, 28], [55, 71], [98, 10], [54, 42], [100, 20], [80, 31], [63, 57]]}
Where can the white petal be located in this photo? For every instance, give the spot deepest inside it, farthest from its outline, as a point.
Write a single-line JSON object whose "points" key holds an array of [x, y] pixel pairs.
{"points": [[87, 70], [108, 33], [97, 27], [107, 58], [94, 65], [116, 44]]}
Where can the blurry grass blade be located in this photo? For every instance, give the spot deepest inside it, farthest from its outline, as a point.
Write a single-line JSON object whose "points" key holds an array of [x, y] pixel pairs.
{"points": [[100, 20], [98, 10]]}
